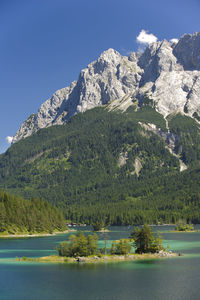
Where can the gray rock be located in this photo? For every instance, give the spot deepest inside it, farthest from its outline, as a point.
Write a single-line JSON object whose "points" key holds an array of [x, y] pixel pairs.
{"points": [[105, 257], [81, 259], [167, 72], [187, 51]]}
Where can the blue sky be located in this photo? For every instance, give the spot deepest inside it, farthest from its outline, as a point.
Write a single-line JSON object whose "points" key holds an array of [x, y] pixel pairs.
{"points": [[45, 43]]}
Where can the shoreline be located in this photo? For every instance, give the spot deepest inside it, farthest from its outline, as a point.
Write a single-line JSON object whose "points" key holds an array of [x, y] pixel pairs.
{"points": [[24, 235], [102, 230], [183, 231], [97, 259]]}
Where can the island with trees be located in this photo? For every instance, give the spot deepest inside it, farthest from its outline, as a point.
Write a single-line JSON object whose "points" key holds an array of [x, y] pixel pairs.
{"points": [[82, 248], [100, 226], [183, 226]]}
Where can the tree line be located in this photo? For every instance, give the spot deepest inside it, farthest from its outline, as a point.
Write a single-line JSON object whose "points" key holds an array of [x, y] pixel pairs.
{"points": [[76, 167], [23, 216]]}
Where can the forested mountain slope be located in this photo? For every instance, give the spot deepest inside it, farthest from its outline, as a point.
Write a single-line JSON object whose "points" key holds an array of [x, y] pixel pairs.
{"points": [[120, 167], [21, 216]]}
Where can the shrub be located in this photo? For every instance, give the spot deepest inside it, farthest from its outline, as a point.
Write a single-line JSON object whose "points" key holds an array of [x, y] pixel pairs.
{"points": [[144, 240], [78, 245], [121, 247]]}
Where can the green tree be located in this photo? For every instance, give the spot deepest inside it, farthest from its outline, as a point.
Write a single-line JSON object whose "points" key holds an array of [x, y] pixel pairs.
{"points": [[19, 215], [92, 244], [2, 217], [156, 245], [144, 240], [98, 225], [121, 247], [78, 245], [63, 249]]}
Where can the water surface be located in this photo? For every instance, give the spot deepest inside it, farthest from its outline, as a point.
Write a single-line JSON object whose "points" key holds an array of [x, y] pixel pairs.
{"points": [[173, 278]]}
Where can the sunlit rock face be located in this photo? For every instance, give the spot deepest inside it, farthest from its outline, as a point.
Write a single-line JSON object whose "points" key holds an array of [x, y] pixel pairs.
{"points": [[166, 72]]}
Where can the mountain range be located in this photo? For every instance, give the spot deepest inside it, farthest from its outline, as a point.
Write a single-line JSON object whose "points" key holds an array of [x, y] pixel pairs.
{"points": [[166, 72], [125, 145]]}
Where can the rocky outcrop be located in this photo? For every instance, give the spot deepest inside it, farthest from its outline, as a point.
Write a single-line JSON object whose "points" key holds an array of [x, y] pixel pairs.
{"points": [[123, 157], [51, 112], [187, 51], [170, 139], [167, 72]]}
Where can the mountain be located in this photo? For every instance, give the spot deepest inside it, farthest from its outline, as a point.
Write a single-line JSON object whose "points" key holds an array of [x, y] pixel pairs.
{"points": [[125, 145], [124, 168], [168, 73]]}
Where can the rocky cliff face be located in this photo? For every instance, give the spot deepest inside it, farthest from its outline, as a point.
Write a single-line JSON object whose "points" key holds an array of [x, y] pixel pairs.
{"points": [[168, 73]]}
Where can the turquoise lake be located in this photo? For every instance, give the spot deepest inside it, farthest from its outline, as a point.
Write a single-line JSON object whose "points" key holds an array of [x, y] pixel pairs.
{"points": [[171, 278]]}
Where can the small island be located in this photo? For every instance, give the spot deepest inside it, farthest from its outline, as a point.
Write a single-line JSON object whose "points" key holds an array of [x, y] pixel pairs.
{"points": [[100, 226], [84, 249], [182, 226]]}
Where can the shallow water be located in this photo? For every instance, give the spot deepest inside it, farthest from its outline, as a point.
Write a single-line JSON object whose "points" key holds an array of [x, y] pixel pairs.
{"points": [[174, 278]]}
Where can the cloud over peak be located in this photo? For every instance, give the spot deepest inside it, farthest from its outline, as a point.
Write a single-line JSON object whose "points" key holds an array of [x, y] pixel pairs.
{"points": [[174, 41], [146, 38], [9, 139]]}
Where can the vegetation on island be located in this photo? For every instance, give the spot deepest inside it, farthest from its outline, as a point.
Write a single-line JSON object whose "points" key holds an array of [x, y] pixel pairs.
{"points": [[19, 216], [89, 168], [81, 245], [142, 239], [182, 226], [78, 245], [99, 225], [121, 247], [84, 248], [145, 242]]}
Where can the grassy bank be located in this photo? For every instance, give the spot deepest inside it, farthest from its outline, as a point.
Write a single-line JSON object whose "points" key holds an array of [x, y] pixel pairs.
{"points": [[34, 234], [97, 259], [186, 231]]}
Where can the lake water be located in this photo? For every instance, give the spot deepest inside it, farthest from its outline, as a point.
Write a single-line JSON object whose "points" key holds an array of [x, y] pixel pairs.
{"points": [[171, 278]]}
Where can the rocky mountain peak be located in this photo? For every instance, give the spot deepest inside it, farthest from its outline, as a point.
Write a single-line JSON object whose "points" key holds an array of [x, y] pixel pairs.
{"points": [[187, 51], [110, 55], [166, 72]]}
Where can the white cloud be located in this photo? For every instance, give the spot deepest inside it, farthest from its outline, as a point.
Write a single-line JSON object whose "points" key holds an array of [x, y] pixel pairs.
{"points": [[146, 38], [174, 41], [9, 139]]}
